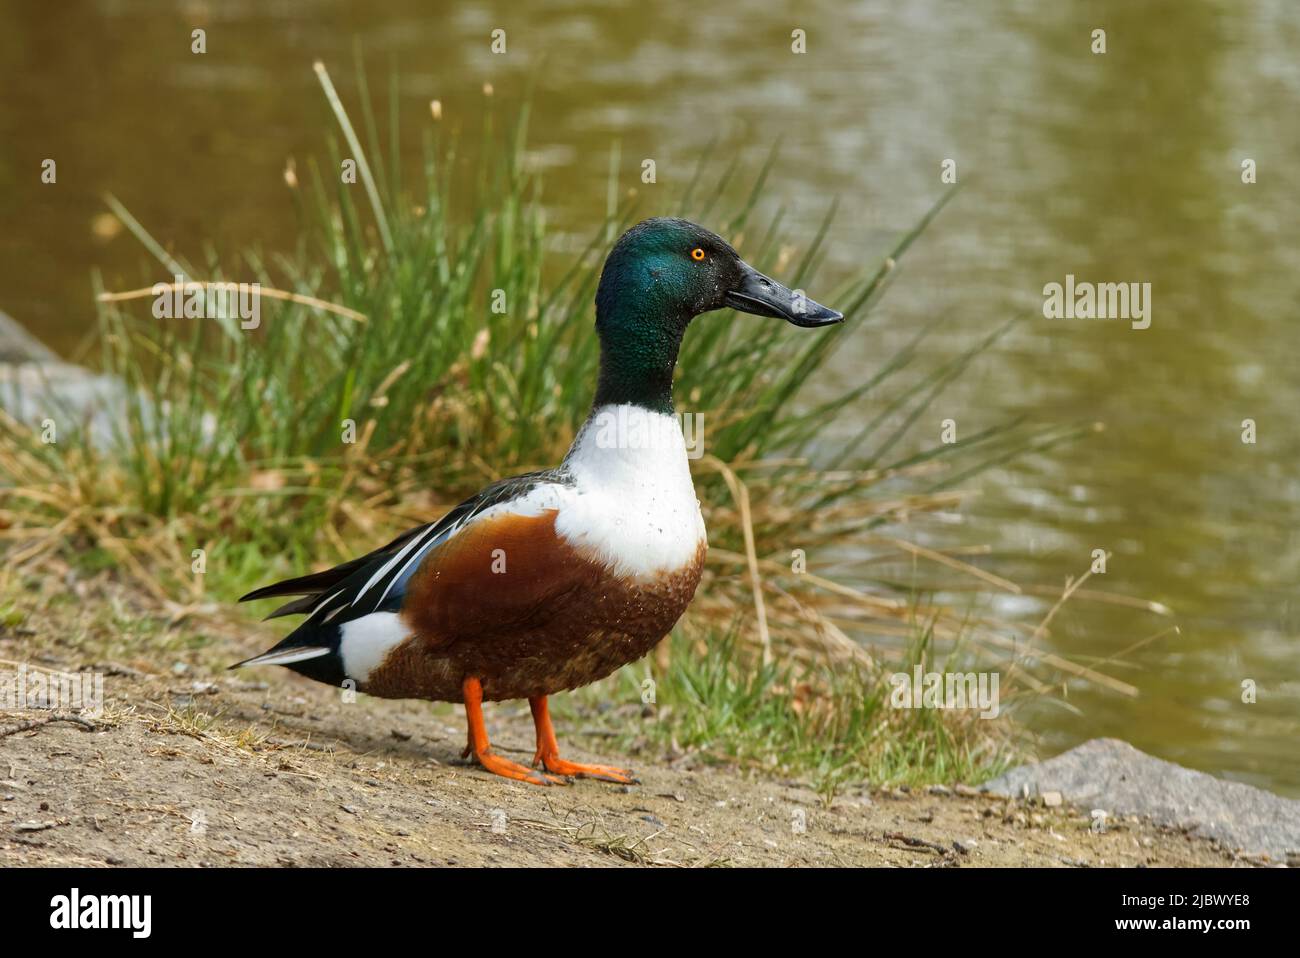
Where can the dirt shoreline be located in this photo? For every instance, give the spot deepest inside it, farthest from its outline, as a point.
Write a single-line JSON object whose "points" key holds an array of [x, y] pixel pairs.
{"points": [[212, 770]]}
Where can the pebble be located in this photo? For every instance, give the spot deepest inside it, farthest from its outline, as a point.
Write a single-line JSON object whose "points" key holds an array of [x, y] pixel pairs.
{"points": [[1052, 799], [33, 826]]}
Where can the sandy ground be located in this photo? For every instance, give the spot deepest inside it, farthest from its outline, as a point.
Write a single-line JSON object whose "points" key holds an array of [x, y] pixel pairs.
{"points": [[189, 765]]}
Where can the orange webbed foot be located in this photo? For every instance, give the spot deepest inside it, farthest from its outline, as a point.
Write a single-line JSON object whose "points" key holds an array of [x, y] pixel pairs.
{"points": [[548, 752], [507, 769], [603, 773], [479, 746]]}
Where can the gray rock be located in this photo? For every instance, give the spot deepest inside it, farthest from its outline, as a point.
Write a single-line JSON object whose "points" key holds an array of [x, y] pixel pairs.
{"points": [[17, 345], [78, 400], [35, 385], [1110, 774]]}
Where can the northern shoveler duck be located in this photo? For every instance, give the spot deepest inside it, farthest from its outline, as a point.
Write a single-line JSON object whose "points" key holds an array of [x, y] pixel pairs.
{"points": [[549, 581]]}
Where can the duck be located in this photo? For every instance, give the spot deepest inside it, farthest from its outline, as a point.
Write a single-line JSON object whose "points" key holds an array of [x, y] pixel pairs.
{"points": [[549, 581]]}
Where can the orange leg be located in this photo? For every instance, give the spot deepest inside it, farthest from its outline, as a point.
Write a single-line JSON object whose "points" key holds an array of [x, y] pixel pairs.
{"points": [[482, 749], [548, 751]]}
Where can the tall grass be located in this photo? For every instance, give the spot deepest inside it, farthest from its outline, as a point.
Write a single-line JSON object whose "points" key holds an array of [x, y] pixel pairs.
{"points": [[233, 440]]}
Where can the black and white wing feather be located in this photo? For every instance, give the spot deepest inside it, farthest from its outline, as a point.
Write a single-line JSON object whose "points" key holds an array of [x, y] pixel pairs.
{"points": [[377, 581]]}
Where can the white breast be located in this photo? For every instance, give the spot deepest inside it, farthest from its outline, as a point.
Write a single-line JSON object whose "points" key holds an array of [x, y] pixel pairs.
{"points": [[632, 502]]}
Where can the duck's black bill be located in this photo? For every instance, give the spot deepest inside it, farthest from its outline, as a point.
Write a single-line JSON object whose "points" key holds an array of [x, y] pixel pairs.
{"points": [[757, 294]]}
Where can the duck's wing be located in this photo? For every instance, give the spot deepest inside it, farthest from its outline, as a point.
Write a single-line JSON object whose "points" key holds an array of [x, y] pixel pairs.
{"points": [[312, 585], [376, 579]]}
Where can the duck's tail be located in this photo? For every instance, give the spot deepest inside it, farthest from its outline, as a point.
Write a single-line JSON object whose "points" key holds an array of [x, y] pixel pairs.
{"points": [[279, 656]]}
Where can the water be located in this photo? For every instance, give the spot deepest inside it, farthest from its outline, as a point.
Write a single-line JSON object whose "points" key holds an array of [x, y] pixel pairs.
{"points": [[1122, 167]]}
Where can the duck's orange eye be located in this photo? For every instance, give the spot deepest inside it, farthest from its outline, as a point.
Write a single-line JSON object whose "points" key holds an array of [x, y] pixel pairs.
{"points": [[697, 254]]}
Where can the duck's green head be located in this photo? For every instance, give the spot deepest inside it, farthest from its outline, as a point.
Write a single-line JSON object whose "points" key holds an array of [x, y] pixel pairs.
{"points": [[661, 274]]}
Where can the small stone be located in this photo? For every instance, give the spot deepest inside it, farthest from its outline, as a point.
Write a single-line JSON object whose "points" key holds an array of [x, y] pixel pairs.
{"points": [[939, 790], [966, 791], [1052, 799], [965, 845]]}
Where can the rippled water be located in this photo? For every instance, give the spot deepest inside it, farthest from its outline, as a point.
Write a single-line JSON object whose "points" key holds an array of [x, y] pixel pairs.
{"points": [[1122, 167]]}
